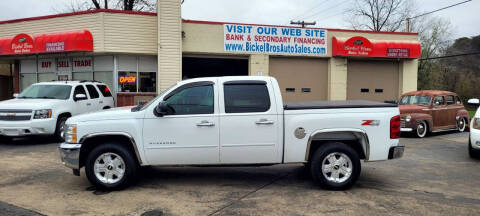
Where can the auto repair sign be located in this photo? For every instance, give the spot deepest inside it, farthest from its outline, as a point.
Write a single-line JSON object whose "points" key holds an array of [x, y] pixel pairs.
{"points": [[274, 40]]}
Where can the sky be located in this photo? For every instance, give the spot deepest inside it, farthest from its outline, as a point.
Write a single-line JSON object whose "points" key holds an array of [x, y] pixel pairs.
{"points": [[464, 18]]}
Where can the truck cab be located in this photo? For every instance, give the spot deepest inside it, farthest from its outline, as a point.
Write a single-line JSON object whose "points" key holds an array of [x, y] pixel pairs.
{"points": [[232, 121]]}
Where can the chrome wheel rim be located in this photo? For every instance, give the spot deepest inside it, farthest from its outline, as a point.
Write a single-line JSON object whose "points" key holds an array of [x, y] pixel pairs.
{"points": [[421, 129], [337, 167], [461, 124], [109, 168]]}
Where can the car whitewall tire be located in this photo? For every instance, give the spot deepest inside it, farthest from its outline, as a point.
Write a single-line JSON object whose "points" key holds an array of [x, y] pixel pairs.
{"points": [[422, 129]]}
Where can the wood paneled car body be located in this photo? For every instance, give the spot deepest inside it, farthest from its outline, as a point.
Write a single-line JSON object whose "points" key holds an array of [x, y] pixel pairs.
{"points": [[428, 111]]}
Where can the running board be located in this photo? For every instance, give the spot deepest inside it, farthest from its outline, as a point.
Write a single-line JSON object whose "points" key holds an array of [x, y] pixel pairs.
{"points": [[444, 130]]}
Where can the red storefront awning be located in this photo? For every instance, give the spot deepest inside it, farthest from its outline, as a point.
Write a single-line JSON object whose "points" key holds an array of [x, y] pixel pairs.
{"points": [[47, 43], [362, 47]]}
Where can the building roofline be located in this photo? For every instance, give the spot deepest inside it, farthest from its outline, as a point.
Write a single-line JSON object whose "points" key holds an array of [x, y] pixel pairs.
{"points": [[186, 21], [78, 13], [328, 29]]}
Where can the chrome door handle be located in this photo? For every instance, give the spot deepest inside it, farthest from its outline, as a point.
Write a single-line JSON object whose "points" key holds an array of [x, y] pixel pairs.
{"points": [[205, 123], [264, 122]]}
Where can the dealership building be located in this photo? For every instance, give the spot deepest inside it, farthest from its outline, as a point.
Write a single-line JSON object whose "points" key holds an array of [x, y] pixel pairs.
{"points": [[140, 54]]}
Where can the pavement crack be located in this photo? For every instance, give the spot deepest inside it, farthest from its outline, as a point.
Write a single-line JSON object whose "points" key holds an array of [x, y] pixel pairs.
{"points": [[249, 193]]}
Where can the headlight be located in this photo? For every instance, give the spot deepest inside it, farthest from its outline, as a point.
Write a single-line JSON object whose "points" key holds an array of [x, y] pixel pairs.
{"points": [[408, 118], [71, 133], [476, 123], [42, 114]]}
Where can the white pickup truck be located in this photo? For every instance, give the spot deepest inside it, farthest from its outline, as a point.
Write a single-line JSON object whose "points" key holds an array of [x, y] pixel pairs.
{"points": [[232, 121]]}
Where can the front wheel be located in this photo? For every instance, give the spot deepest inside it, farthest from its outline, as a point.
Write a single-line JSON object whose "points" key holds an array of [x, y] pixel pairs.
{"points": [[422, 129], [60, 129], [335, 166], [110, 166]]}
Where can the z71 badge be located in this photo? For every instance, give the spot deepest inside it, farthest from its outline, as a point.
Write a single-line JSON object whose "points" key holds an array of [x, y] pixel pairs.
{"points": [[371, 122]]}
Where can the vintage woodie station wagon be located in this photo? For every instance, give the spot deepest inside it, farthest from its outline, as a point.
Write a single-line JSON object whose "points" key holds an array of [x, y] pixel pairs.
{"points": [[428, 111]]}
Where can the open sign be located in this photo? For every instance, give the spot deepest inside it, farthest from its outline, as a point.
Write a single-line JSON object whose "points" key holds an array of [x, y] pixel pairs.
{"points": [[128, 79]]}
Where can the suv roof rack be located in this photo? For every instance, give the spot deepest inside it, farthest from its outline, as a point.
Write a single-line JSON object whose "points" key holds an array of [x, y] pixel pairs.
{"points": [[94, 81]]}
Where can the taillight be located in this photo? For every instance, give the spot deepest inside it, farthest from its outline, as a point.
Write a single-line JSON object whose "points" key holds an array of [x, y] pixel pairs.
{"points": [[395, 127]]}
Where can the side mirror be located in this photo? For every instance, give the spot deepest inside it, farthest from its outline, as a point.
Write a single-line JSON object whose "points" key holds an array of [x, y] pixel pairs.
{"points": [[15, 95], [161, 109], [436, 103], [474, 101], [79, 97]]}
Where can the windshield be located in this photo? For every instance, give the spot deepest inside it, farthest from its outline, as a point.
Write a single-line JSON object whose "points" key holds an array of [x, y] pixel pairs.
{"points": [[61, 92], [416, 99]]}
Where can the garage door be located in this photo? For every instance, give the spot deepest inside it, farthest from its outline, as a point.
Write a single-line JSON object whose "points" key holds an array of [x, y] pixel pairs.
{"points": [[300, 79], [372, 80]]}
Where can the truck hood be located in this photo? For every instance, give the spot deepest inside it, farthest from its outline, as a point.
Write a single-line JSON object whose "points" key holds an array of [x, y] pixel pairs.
{"points": [[110, 114], [33, 104], [405, 109]]}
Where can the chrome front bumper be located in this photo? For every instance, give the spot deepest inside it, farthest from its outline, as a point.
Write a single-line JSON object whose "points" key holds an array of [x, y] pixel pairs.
{"points": [[396, 152], [70, 155]]}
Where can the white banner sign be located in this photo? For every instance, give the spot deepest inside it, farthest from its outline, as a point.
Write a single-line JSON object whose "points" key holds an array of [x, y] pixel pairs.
{"points": [[274, 40]]}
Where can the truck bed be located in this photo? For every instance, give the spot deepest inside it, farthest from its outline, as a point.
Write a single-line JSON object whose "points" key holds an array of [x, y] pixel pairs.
{"points": [[336, 104]]}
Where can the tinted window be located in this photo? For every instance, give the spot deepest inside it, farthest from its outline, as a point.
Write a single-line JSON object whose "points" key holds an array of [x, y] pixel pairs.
{"points": [[438, 100], [92, 91], [450, 99], [104, 90], [193, 100], [242, 98], [79, 90]]}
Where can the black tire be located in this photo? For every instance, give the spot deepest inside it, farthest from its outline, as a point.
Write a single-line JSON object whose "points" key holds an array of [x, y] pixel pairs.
{"points": [[422, 129], [474, 153], [5, 140], [60, 129], [131, 166], [326, 150]]}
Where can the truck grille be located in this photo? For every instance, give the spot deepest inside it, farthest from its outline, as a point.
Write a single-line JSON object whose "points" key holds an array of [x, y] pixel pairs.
{"points": [[15, 115]]}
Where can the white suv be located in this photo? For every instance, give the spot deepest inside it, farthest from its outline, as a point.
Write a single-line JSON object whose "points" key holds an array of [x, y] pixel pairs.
{"points": [[43, 108]]}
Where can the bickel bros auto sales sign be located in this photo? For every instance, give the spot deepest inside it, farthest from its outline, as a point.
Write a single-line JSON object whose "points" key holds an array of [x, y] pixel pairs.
{"points": [[274, 40]]}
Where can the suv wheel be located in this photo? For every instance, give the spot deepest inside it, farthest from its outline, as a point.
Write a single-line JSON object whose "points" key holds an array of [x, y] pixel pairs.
{"points": [[5, 139], [60, 129], [422, 129], [335, 166], [462, 124], [110, 166]]}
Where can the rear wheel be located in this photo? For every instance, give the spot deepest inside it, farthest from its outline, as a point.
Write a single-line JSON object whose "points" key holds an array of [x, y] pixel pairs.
{"points": [[110, 166], [422, 129], [60, 129], [462, 124], [335, 166]]}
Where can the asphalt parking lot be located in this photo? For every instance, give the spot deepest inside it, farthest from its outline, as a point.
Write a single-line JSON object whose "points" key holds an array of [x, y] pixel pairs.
{"points": [[435, 177]]}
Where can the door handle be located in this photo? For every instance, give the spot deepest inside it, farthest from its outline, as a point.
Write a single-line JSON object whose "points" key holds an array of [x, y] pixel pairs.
{"points": [[101, 102], [264, 122], [205, 123], [88, 104]]}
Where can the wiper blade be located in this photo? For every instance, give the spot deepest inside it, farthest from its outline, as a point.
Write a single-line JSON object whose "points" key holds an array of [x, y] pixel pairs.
{"points": [[46, 97]]}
